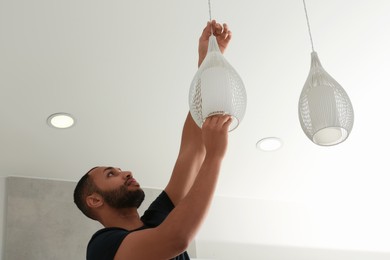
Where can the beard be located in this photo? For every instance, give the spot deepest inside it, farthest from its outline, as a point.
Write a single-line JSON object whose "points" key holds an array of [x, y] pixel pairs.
{"points": [[122, 198]]}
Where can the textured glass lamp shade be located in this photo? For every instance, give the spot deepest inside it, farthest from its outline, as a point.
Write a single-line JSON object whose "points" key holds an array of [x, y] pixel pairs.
{"points": [[325, 111], [217, 89]]}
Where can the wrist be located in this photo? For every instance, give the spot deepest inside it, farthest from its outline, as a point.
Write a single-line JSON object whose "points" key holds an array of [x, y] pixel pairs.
{"points": [[214, 157]]}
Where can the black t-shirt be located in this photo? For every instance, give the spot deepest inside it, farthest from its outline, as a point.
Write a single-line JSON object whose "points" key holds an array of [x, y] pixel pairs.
{"points": [[105, 242]]}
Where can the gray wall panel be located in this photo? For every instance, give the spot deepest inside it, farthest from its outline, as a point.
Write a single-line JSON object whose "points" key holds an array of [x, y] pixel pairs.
{"points": [[42, 221]]}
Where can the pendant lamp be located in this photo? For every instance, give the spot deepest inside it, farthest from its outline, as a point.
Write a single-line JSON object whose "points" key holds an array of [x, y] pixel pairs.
{"points": [[325, 110], [217, 88]]}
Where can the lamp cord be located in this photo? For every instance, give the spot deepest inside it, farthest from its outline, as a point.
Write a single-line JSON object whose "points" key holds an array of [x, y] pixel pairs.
{"points": [[308, 26], [210, 16], [210, 9]]}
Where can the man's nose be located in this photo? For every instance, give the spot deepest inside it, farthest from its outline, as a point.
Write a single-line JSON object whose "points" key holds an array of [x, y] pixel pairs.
{"points": [[127, 174]]}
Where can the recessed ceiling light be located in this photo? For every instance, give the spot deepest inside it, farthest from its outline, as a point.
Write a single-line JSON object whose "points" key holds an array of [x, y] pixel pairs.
{"points": [[269, 144], [61, 120]]}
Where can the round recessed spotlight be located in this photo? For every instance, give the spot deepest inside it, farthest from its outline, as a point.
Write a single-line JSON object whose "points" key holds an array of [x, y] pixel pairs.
{"points": [[61, 120], [269, 144]]}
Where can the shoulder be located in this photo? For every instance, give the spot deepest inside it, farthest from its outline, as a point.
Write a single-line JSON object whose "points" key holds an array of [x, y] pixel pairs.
{"points": [[105, 242], [158, 210]]}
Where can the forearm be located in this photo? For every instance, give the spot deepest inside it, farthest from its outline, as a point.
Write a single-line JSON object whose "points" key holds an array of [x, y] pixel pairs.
{"points": [[185, 220], [190, 158], [191, 138]]}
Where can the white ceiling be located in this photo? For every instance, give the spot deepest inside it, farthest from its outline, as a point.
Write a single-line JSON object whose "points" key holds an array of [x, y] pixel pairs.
{"points": [[123, 69]]}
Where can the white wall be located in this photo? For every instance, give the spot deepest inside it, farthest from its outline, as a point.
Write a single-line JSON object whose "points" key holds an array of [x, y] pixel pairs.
{"points": [[2, 215], [286, 230], [216, 250]]}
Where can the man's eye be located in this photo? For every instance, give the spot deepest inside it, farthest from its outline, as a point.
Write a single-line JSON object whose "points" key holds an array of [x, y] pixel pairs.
{"points": [[110, 174]]}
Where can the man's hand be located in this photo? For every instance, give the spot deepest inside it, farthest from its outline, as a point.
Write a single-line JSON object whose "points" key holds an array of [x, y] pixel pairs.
{"points": [[221, 32], [215, 135]]}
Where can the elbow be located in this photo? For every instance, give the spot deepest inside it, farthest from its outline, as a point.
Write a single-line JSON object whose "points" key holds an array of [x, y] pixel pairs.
{"points": [[178, 234], [180, 241], [181, 244]]}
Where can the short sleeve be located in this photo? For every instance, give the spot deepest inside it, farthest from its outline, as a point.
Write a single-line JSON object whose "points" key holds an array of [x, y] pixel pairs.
{"points": [[105, 243], [158, 210]]}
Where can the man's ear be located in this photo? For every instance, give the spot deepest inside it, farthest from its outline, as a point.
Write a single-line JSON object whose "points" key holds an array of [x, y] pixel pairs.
{"points": [[94, 200]]}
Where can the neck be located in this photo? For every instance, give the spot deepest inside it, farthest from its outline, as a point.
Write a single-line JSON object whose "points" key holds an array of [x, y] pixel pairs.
{"points": [[123, 218]]}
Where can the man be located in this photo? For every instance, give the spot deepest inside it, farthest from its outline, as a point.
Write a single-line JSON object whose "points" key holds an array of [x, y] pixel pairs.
{"points": [[112, 196]]}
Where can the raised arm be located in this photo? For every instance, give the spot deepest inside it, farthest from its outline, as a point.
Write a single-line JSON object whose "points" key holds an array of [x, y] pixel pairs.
{"points": [[192, 150], [193, 181], [174, 235]]}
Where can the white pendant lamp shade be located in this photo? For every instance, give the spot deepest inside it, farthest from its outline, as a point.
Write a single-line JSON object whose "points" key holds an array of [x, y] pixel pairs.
{"points": [[325, 111], [217, 89]]}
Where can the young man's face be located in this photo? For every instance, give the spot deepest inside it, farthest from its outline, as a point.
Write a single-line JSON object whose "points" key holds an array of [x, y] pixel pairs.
{"points": [[118, 188]]}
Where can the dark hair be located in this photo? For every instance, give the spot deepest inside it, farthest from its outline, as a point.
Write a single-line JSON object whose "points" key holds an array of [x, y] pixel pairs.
{"points": [[84, 188]]}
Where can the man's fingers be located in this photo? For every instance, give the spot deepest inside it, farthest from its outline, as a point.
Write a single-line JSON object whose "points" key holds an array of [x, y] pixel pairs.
{"points": [[218, 120], [227, 34], [206, 31], [228, 121]]}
